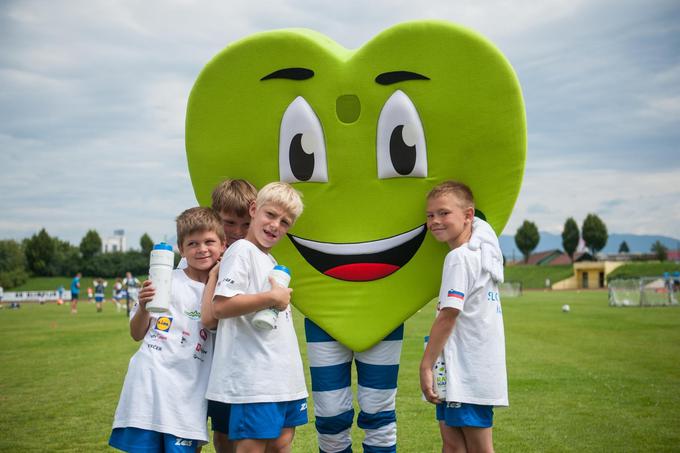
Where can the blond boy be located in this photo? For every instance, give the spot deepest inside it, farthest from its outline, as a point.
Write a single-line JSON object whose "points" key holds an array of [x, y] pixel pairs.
{"points": [[257, 376], [162, 405], [468, 329]]}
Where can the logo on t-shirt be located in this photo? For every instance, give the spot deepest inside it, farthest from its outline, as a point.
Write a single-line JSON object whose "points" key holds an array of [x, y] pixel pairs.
{"points": [[195, 315], [163, 324], [452, 294]]}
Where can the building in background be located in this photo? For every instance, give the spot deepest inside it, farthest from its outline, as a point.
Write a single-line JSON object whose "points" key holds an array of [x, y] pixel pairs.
{"points": [[115, 243]]}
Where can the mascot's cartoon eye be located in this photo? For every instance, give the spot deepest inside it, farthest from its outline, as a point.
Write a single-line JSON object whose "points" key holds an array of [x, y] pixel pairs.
{"points": [[302, 146], [400, 139]]}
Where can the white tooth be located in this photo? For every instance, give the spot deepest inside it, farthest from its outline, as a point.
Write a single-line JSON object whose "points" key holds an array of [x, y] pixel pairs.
{"points": [[360, 248]]}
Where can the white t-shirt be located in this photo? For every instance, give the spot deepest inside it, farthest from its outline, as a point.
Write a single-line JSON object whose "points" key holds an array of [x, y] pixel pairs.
{"points": [[475, 351], [166, 379], [252, 365]]}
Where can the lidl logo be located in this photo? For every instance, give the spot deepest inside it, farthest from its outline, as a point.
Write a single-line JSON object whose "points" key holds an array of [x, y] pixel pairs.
{"points": [[163, 323]]}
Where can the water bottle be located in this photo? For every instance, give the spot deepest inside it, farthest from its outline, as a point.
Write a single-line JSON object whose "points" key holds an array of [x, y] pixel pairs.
{"points": [[439, 375], [266, 319], [160, 273]]}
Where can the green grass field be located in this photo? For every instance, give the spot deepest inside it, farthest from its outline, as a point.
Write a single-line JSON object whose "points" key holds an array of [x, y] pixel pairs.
{"points": [[595, 379]]}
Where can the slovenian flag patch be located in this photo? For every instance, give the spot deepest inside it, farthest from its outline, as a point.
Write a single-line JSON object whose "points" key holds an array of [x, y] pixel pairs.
{"points": [[455, 295]]}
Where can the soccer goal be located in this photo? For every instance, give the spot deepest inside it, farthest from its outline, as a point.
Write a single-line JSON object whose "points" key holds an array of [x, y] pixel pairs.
{"points": [[638, 292], [510, 289]]}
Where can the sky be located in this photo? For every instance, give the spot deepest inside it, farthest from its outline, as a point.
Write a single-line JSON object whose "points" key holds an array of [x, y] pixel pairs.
{"points": [[93, 97]]}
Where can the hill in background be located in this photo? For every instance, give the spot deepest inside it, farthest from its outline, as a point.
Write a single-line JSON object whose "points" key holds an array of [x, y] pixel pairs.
{"points": [[550, 241]]}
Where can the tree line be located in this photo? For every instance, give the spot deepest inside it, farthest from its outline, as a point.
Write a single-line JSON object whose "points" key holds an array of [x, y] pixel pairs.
{"points": [[593, 232], [47, 256]]}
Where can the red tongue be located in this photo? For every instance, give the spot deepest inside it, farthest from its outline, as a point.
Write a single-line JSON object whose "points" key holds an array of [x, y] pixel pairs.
{"points": [[361, 272]]}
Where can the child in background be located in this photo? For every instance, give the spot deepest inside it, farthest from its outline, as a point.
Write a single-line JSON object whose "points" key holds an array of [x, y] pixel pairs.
{"points": [[99, 285], [162, 406], [118, 294], [468, 329], [257, 378]]}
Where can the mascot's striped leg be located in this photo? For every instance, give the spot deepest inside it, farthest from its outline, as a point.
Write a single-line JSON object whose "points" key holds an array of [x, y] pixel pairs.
{"points": [[377, 369], [330, 364]]}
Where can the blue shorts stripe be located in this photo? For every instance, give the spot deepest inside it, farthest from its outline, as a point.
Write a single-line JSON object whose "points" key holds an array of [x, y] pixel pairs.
{"points": [[331, 377], [377, 376], [335, 424], [376, 449], [396, 334], [314, 333], [377, 420]]}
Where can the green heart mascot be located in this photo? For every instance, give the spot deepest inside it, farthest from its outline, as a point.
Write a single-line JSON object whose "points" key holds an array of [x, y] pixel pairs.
{"points": [[363, 134]]}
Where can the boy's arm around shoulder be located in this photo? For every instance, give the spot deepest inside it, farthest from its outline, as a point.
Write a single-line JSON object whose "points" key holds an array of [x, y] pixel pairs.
{"points": [[277, 297], [208, 319]]}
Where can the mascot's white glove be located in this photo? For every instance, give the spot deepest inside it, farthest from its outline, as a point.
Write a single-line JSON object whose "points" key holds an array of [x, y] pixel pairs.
{"points": [[484, 238]]}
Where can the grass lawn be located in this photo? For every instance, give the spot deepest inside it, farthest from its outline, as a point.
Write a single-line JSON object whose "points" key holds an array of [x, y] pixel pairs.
{"points": [[595, 379]]}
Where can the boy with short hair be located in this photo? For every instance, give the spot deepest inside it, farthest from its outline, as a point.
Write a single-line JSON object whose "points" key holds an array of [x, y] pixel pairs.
{"points": [[257, 377], [468, 329], [162, 405]]}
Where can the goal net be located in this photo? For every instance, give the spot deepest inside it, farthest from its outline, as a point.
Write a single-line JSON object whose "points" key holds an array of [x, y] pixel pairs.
{"points": [[646, 291], [510, 289]]}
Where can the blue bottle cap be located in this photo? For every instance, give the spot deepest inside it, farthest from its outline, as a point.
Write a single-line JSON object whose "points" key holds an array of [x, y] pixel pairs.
{"points": [[427, 338], [162, 246], [283, 268]]}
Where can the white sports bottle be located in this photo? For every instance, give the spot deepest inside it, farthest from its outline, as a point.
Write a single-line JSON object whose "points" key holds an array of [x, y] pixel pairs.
{"points": [[439, 375], [266, 319], [160, 273]]}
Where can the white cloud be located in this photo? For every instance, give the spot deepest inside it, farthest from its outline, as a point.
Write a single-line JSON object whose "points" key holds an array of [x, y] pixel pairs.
{"points": [[93, 96]]}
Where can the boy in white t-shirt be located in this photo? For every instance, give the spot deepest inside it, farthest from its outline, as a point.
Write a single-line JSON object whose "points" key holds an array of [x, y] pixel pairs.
{"points": [[257, 376], [162, 405], [468, 329]]}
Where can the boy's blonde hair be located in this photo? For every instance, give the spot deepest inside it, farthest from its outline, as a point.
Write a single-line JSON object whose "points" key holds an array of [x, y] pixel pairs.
{"points": [[283, 195], [233, 195], [198, 219], [459, 190]]}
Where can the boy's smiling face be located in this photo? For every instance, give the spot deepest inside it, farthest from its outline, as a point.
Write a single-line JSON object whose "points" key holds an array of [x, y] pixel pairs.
{"points": [[269, 223], [448, 220], [202, 249]]}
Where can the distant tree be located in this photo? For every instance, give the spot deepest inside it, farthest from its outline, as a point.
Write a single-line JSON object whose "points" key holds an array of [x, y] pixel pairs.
{"points": [[90, 245], [12, 264], [594, 233], [623, 248], [146, 243], [39, 251], [660, 250], [66, 258], [527, 238], [570, 237]]}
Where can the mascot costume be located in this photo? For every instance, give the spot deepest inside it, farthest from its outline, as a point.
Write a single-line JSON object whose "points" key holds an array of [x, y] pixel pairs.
{"points": [[364, 135]]}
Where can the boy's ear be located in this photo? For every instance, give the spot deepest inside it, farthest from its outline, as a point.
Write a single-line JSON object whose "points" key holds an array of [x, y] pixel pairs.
{"points": [[252, 208], [181, 253], [470, 214]]}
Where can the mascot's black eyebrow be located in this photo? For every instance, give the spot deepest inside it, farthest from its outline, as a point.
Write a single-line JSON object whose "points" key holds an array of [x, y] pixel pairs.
{"points": [[388, 78], [291, 74]]}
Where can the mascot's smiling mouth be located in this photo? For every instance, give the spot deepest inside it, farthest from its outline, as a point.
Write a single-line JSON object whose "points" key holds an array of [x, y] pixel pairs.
{"points": [[361, 261]]}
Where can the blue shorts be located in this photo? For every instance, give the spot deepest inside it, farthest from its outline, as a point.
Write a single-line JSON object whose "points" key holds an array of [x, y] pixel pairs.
{"points": [[136, 440], [465, 415], [99, 298], [258, 420]]}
